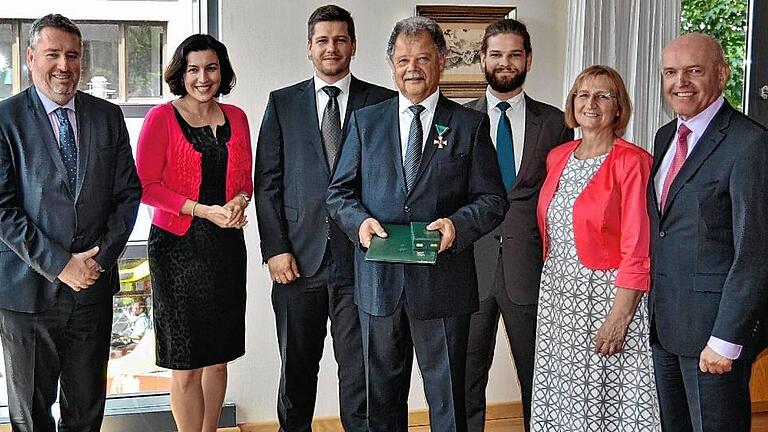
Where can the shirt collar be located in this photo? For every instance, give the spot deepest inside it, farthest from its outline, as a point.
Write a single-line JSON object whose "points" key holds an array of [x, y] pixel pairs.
{"points": [[429, 103], [699, 123], [51, 106], [342, 84], [514, 102]]}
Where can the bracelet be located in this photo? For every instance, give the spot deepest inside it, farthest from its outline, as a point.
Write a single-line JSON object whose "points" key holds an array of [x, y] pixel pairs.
{"points": [[246, 198], [193, 209]]}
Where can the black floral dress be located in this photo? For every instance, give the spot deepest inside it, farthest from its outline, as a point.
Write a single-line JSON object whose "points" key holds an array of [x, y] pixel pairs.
{"points": [[198, 279]]}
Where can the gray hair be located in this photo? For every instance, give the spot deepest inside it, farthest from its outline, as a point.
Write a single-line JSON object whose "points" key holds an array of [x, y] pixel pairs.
{"points": [[411, 27], [56, 21]]}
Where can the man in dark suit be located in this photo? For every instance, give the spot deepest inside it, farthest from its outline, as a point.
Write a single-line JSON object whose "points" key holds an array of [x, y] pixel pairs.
{"points": [[418, 157], [508, 259], [309, 258], [68, 200], [708, 206]]}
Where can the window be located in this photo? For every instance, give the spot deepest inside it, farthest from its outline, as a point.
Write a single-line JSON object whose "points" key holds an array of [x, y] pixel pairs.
{"points": [[122, 61]]}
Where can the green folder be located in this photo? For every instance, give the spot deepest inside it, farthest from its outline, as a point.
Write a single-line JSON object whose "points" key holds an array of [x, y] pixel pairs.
{"points": [[424, 239], [397, 247]]}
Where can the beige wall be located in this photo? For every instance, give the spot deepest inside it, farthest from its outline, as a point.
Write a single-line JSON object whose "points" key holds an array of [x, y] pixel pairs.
{"points": [[267, 43]]}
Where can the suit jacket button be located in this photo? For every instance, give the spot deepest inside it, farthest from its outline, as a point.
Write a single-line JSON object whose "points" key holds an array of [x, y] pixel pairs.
{"points": [[662, 234], [407, 209]]}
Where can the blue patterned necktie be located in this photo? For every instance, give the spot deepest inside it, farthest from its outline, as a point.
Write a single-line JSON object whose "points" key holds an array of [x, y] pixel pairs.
{"points": [[505, 148], [67, 146], [413, 150]]}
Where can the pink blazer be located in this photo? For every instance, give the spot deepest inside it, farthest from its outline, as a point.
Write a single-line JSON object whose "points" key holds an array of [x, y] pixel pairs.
{"points": [[610, 220], [170, 168]]}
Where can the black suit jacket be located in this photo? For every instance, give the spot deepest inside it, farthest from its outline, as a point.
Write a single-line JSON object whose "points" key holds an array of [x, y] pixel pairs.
{"points": [[518, 235], [709, 247], [292, 175], [453, 182], [42, 221]]}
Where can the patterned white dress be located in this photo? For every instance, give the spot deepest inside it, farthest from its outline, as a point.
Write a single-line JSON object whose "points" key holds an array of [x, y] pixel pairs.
{"points": [[575, 389]]}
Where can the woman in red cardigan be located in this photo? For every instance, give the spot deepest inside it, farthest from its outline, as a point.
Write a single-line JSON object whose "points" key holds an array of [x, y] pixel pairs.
{"points": [[194, 162], [593, 367]]}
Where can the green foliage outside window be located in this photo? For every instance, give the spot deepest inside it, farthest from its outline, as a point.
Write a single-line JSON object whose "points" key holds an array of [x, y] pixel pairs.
{"points": [[726, 21]]}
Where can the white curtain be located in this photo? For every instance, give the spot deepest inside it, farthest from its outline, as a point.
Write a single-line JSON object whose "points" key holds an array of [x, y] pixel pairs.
{"points": [[627, 35]]}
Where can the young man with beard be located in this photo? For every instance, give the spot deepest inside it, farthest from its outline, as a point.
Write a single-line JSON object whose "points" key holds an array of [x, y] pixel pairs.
{"points": [[509, 259], [310, 259]]}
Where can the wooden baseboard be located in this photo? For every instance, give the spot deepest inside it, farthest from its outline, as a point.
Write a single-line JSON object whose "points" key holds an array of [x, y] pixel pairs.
{"points": [[416, 418]]}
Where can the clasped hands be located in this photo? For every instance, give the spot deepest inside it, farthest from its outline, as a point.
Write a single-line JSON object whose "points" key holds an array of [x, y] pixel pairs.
{"points": [[82, 270], [371, 227], [230, 215]]}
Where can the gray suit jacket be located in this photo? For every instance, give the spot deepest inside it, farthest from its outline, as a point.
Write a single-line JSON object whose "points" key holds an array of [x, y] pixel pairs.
{"points": [[42, 221], [709, 247], [518, 235]]}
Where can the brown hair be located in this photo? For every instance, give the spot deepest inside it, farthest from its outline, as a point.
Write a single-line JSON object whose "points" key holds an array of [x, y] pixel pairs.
{"points": [[618, 89]]}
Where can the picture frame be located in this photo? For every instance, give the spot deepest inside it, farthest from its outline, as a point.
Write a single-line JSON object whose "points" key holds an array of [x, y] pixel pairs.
{"points": [[463, 27]]}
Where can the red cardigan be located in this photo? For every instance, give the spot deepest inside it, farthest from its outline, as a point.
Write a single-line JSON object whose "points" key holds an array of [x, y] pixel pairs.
{"points": [[610, 221], [170, 168]]}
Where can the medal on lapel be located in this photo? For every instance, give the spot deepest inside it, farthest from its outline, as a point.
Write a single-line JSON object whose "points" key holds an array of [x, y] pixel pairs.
{"points": [[440, 142]]}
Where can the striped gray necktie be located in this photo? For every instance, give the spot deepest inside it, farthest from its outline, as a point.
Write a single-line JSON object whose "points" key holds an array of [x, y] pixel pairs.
{"points": [[331, 126], [413, 150]]}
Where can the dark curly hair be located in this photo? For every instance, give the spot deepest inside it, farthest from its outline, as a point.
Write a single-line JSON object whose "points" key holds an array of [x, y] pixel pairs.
{"points": [[174, 72]]}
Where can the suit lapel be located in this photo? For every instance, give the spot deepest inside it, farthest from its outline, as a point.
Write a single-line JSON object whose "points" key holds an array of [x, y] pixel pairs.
{"points": [[84, 138], [309, 106], [356, 100], [660, 149], [708, 142], [391, 126], [531, 140], [40, 117], [442, 117], [481, 105]]}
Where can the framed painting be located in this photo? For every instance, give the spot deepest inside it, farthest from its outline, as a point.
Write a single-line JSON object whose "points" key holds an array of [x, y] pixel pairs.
{"points": [[463, 27]]}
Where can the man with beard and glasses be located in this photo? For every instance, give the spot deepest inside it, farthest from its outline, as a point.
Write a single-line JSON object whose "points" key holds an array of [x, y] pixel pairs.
{"points": [[509, 259], [310, 259]]}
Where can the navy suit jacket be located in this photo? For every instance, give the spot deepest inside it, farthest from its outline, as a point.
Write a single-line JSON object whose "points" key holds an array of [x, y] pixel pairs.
{"points": [[453, 182], [42, 221], [518, 234], [292, 175], [710, 246]]}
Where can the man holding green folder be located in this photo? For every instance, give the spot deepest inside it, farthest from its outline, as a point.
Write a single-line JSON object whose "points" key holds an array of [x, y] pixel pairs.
{"points": [[417, 158]]}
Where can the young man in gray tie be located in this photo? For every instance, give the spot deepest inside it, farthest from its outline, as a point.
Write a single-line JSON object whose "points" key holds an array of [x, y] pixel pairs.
{"points": [[509, 259], [69, 194], [310, 260]]}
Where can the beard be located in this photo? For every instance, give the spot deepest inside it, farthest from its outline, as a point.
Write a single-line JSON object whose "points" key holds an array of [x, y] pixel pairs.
{"points": [[505, 85]]}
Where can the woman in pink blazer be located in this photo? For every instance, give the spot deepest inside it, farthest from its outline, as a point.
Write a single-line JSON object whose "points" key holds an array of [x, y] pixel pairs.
{"points": [[593, 367], [194, 162]]}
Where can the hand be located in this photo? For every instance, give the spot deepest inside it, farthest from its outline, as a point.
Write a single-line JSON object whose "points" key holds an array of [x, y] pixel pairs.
{"points": [[609, 339], [445, 226], [714, 363], [368, 229], [215, 213], [82, 270], [283, 268], [237, 207]]}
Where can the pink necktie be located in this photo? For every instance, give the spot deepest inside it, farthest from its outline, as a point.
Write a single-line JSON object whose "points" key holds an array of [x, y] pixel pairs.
{"points": [[681, 152]]}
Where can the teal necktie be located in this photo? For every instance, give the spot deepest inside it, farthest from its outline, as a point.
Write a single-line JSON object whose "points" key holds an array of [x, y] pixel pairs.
{"points": [[505, 148]]}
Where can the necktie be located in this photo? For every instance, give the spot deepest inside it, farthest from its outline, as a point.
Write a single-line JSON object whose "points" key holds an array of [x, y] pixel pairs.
{"points": [[504, 148], [681, 152], [67, 147], [413, 150], [331, 125]]}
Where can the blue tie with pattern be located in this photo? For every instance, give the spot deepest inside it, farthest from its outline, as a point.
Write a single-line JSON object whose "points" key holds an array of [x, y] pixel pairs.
{"points": [[67, 147], [504, 147], [413, 150]]}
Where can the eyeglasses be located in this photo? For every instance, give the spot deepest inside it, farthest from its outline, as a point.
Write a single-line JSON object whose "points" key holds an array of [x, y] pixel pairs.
{"points": [[600, 96]]}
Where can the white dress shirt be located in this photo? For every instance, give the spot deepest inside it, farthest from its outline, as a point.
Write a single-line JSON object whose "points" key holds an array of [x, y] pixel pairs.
{"points": [[321, 98], [698, 125], [516, 116], [51, 106], [405, 116]]}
